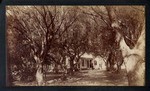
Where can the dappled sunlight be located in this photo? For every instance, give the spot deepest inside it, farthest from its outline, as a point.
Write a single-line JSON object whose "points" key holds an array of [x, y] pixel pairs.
{"points": [[75, 45], [86, 78]]}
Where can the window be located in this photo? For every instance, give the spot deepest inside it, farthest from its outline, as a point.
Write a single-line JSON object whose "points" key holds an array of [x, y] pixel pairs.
{"points": [[95, 62], [83, 62], [88, 63]]}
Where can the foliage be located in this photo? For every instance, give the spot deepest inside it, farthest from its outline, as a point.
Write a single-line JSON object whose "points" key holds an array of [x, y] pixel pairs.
{"points": [[44, 35]]}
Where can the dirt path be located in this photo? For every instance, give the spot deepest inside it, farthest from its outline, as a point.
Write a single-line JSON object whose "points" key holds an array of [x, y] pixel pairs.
{"points": [[103, 78], [85, 78]]}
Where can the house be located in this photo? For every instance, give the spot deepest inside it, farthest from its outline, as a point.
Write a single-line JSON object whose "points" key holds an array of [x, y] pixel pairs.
{"points": [[88, 61], [85, 63], [98, 63]]}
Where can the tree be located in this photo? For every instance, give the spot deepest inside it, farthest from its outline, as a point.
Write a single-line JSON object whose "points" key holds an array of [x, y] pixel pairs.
{"points": [[43, 35], [40, 28], [76, 44], [102, 17], [130, 34]]}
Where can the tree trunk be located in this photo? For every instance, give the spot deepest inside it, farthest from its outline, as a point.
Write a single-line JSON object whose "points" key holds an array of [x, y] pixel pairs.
{"points": [[133, 57], [44, 70], [71, 67], [135, 66], [39, 76], [110, 62], [112, 67], [135, 62], [56, 70], [77, 64], [119, 60], [118, 68]]}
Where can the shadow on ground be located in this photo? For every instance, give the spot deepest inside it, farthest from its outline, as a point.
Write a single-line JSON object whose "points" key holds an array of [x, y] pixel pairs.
{"points": [[84, 78]]}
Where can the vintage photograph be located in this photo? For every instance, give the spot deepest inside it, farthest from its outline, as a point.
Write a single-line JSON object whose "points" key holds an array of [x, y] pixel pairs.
{"points": [[57, 45]]}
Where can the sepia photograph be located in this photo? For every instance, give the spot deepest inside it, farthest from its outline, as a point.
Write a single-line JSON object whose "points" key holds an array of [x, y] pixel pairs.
{"points": [[58, 45]]}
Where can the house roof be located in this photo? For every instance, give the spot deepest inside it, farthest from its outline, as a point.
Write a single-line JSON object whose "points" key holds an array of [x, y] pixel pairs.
{"points": [[86, 55]]}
